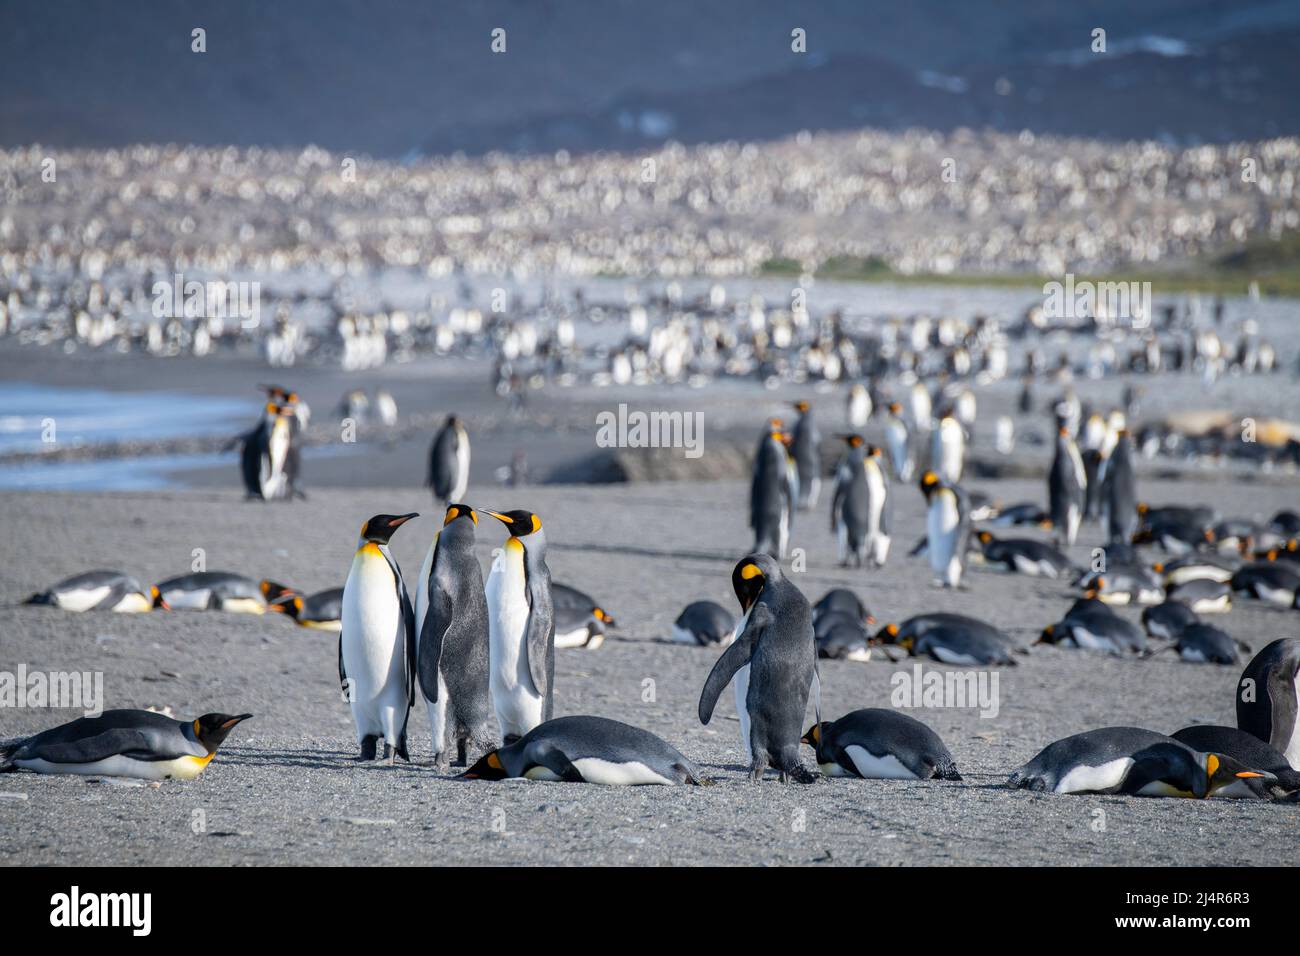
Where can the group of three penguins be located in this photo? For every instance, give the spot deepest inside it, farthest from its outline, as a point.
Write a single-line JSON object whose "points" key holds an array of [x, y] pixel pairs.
{"points": [[475, 649]]}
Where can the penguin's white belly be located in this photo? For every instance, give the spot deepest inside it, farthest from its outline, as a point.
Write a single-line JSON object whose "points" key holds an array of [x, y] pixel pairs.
{"points": [[1213, 605], [134, 603], [741, 684], [518, 705], [1291, 750], [462, 469], [1085, 779], [680, 635], [884, 767], [1192, 655], [574, 638], [1283, 597], [1086, 640], [941, 526], [188, 600], [1158, 788], [1027, 565], [374, 639], [243, 606], [81, 600], [1198, 572], [947, 655], [630, 774], [181, 768]]}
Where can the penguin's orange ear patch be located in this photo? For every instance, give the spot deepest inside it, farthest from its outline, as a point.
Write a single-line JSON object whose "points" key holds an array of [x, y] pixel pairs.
{"points": [[750, 571], [452, 514], [1211, 765], [537, 523], [494, 761]]}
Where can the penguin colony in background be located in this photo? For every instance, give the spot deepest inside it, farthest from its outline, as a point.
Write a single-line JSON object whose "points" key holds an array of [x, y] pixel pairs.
{"points": [[477, 649]]}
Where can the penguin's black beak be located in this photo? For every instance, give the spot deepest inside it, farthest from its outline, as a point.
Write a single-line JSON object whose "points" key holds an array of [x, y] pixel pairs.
{"points": [[504, 519], [402, 519], [238, 719]]}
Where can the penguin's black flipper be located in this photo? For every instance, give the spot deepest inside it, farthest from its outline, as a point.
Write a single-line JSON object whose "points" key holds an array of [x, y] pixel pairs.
{"points": [[733, 659], [545, 754], [343, 674], [540, 639], [408, 622], [44, 597], [436, 621]]}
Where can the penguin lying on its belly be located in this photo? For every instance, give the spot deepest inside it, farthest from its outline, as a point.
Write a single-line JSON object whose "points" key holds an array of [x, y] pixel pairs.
{"points": [[1133, 761], [1091, 625], [587, 750], [1246, 749], [1199, 643], [880, 744], [704, 623], [1024, 555], [101, 591], [949, 639], [579, 620], [123, 743], [217, 591]]}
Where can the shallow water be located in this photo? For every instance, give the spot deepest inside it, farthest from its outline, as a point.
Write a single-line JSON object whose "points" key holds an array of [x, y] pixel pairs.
{"points": [[34, 416]]}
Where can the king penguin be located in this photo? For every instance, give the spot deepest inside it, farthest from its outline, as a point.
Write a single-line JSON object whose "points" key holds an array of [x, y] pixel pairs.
{"points": [[1119, 491], [804, 449], [774, 662], [588, 750], [703, 623], [123, 743], [1268, 697], [521, 627], [860, 505], [947, 526], [101, 591], [451, 622], [1066, 489], [1129, 760], [948, 449], [898, 441], [377, 642], [771, 494], [880, 744], [449, 462]]}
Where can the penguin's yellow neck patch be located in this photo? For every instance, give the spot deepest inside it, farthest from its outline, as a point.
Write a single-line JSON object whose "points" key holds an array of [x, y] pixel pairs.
{"points": [[370, 549], [514, 544]]}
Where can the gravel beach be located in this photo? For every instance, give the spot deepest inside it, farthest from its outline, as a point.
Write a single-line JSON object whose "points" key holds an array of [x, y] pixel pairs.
{"points": [[284, 789]]}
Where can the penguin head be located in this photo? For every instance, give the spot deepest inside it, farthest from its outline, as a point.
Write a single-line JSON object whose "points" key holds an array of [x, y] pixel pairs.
{"points": [[853, 441], [289, 603], [274, 592], [802, 406], [1048, 635], [886, 635], [813, 738], [895, 408], [1221, 770], [518, 523], [929, 484], [984, 537], [459, 511], [156, 599], [874, 451], [211, 729], [489, 767], [381, 527], [751, 575]]}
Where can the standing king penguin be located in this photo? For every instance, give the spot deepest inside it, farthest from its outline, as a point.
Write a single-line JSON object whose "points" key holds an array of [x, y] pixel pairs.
{"points": [[897, 440], [774, 662], [771, 494], [377, 642], [449, 462], [1119, 492], [859, 508], [947, 528], [948, 449], [451, 621], [521, 627], [1066, 488], [806, 458], [1268, 698]]}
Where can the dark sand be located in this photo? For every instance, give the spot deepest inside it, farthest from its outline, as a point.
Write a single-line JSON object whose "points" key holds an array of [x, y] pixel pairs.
{"points": [[284, 789]]}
